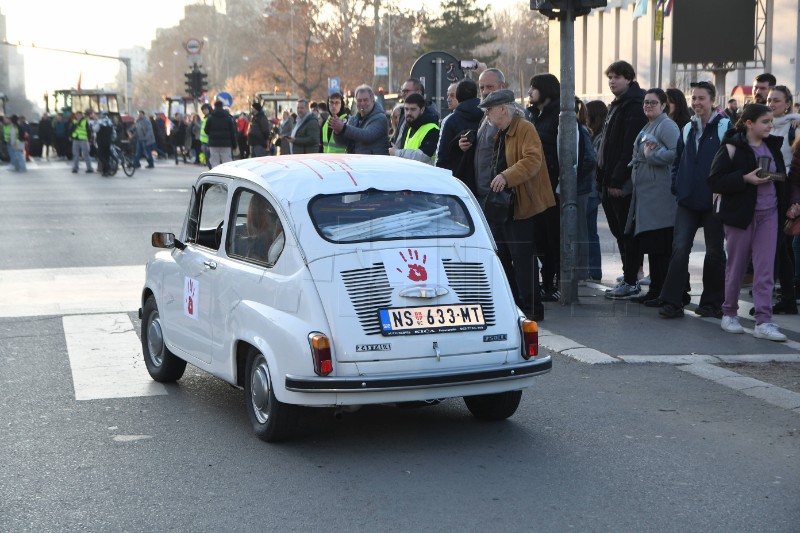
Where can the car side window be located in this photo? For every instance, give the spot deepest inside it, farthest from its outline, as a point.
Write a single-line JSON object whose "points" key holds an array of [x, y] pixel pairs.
{"points": [[256, 233], [212, 199]]}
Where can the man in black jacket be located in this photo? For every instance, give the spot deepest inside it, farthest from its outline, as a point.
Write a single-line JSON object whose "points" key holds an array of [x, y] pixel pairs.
{"points": [[221, 132], [466, 116], [544, 97], [258, 135], [624, 122]]}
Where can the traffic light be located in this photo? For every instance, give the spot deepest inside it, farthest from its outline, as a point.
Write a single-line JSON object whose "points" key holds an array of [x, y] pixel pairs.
{"points": [[202, 82], [190, 83]]}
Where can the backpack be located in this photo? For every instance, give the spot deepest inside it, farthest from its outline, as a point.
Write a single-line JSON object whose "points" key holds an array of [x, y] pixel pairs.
{"points": [[722, 128]]}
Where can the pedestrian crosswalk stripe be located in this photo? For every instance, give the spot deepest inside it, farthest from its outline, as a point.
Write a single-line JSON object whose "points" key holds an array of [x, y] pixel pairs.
{"points": [[69, 291], [105, 356]]}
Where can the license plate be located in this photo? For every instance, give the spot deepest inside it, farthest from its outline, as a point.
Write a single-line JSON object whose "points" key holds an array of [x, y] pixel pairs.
{"points": [[432, 319]]}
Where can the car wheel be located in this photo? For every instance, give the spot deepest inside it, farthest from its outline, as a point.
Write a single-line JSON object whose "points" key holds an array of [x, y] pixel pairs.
{"points": [[163, 365], [494, 406], [272, 420]]}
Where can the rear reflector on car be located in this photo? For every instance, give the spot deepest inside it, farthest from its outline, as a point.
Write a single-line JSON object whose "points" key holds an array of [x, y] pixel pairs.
{"points": [[320, 353], [530, 339]]}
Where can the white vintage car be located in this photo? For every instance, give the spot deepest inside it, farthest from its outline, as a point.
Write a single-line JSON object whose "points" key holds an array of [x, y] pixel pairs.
{"points": [[338, 281]]}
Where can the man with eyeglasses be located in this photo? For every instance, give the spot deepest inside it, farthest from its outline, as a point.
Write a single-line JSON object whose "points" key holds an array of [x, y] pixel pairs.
{"points": [[698, 144]]}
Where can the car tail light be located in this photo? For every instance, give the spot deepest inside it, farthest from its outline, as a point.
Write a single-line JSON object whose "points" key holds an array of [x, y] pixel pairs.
{"points": [[530, 339], [320, 353]]}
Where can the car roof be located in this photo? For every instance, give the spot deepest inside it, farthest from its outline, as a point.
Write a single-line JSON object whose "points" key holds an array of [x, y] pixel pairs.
{"points": [[299, 177]]}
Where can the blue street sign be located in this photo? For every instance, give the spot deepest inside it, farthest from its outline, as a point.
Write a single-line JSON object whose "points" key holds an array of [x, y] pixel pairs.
{"points": [[226, 99], [334, 86]]}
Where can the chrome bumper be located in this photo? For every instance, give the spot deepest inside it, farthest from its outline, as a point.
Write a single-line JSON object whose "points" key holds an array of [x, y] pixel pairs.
{"points": [[417, 381]]}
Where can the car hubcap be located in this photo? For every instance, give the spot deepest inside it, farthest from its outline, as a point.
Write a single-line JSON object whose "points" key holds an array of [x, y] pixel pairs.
{"points": [[155, 341], [259, 389]]}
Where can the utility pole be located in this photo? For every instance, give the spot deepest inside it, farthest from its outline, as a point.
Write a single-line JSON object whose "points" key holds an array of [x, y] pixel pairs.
{"points": [[565, 11]]}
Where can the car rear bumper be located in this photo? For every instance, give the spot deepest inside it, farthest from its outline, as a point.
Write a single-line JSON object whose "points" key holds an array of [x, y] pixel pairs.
{"points": [[395, 382]]}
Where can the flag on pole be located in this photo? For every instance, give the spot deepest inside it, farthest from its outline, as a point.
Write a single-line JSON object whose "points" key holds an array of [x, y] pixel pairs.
{"points": [[667, 4], [640, 10], [80, 75]]}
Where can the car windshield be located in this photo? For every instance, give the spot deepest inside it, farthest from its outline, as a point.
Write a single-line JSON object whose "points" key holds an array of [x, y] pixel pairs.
{"points": [[383, 215]]}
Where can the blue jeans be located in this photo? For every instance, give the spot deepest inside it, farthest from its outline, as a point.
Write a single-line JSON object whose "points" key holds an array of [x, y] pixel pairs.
{"points": [[687, 222], [593, 239], [80, 149], [17, 159], [142, 149]]}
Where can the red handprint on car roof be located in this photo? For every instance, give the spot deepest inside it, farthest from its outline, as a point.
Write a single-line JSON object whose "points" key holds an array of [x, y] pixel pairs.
{"points": [[416, 271]]}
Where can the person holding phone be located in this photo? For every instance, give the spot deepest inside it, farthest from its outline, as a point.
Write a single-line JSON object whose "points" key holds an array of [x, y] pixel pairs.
{"points": [[465, 117], [751, 207], [652, 214]]}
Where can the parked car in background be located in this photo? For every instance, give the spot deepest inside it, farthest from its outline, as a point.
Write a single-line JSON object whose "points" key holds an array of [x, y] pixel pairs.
{"points": [[337, 281]]}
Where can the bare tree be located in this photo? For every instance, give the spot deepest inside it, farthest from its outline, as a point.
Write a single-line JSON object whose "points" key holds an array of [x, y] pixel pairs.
{"points": [[522, 38]]}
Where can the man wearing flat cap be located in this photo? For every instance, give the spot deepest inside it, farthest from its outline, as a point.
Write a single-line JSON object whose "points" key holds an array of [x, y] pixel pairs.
{"points": [[518, 163]]}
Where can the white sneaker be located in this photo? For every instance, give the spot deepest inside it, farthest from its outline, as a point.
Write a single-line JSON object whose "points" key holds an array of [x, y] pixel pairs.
{"points": [[768, 331], [731, 324]]}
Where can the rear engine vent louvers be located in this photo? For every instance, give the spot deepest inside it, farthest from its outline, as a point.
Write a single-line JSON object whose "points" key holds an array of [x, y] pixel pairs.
{"points": [[369, 290], [469, 281]]}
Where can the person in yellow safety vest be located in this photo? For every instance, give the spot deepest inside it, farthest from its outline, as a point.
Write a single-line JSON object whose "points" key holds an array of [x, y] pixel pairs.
{"points": [[80, 133], [330, 144], [421, 134], [206, 109]]}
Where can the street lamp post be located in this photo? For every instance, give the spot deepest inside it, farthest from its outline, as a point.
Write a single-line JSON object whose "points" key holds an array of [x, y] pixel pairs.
{"points": [[174, 88], [291, 26], [390, 51]]}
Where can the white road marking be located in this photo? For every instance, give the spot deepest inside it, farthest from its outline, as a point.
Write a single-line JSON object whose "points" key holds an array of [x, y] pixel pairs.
{"points": [[130, 438], [105, 356], [746, 385], [70, 291]]}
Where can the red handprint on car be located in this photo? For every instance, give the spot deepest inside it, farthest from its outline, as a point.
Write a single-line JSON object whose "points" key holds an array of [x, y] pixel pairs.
{"points": [[416, 271]]}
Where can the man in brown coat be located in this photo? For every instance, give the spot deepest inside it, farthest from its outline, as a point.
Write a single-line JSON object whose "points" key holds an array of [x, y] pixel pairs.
{"points": [[518, 164]]}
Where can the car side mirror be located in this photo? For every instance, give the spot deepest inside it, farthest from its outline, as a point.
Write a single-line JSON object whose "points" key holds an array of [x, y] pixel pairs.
{"points": [[166, 240]]}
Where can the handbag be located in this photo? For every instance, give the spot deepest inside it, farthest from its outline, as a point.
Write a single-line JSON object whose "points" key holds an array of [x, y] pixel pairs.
{"points": [[792, 226], [498, 206]]}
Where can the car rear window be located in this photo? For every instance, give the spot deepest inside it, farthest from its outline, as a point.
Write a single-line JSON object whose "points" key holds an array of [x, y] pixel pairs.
{"points": [[374, 215]]}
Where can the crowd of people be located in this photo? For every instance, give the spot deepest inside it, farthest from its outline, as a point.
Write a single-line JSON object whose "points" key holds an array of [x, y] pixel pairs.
{"points": [[664, 172], [661, 169]]}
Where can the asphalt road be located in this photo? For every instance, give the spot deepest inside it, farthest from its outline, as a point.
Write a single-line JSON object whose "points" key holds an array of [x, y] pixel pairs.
{"points": [[617, 447]]}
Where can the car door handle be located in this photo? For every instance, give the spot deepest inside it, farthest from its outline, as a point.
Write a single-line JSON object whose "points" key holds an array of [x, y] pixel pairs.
{"points": [[210, 264]]}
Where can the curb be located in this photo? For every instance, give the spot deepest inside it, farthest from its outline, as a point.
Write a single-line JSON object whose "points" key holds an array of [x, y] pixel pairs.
{"points": [[700, 365]]}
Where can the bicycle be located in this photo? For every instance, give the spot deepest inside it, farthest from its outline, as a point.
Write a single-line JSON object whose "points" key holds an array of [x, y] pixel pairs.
{"points": [[120, 157]]}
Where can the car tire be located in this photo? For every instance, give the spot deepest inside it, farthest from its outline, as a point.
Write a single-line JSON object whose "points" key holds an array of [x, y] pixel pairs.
{"points": [[272, 421], [494, 406], [162, 365]]}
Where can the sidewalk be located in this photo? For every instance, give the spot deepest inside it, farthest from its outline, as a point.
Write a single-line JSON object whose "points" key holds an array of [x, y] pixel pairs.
{"points": [[630, 332], [597, 330]]}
